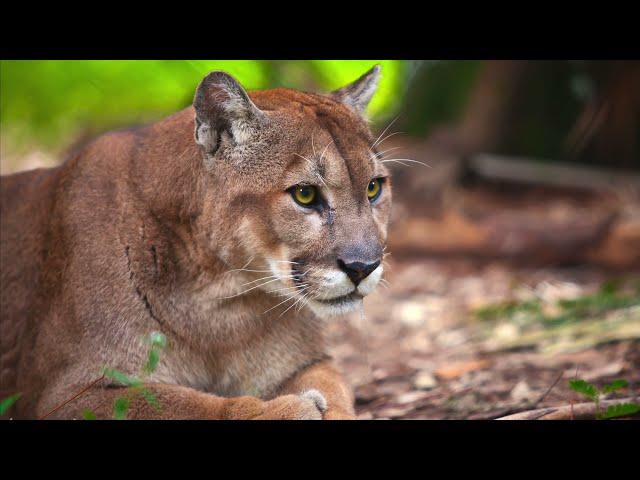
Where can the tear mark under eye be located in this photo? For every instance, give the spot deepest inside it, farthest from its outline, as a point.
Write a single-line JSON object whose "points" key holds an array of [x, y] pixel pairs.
{"points": [[331, 216]]}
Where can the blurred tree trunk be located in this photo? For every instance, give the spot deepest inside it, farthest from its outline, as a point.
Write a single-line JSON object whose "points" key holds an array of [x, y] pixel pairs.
{"points": [[492, 103], [541, 109], [608, 129]]}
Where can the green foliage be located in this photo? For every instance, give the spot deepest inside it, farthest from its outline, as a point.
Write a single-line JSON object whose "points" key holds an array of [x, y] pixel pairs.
{"points": [[121, 405], [49, 103], [157, 342], [438, 94], [607, 298], [621, 410], [508, 310], [89, 415], [585, 388], [150, 398], [152, 362], [594, 394], [8, 402], [615, 385], [122, 378]]}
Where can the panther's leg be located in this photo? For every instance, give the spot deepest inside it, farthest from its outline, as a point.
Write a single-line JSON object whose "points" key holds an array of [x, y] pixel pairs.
{"points": [[325, 378], [177, 402]]}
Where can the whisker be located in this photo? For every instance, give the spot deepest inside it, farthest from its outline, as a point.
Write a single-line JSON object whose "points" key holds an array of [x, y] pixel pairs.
{"points": [[401, 160], [247, 270], [383, 132], [325, 150], [293, 304], [286, 299], [391, 135], [313, 166], [252, 288], [259, 280], [381, 155]]}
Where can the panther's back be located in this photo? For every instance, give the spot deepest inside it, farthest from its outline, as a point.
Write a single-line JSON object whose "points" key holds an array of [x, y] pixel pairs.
{"points": [[26, 200]]}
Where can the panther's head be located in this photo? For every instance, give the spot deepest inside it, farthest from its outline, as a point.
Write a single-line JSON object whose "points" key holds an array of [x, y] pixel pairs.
{"points": [[296, 191]]}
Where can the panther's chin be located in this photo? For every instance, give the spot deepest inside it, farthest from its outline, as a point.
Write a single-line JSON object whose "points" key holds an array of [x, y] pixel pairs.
{"points": [[336, 306]]}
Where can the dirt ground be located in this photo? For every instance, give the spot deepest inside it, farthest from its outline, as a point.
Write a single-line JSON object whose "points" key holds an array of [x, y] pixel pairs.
{"points": [[423, 351]]}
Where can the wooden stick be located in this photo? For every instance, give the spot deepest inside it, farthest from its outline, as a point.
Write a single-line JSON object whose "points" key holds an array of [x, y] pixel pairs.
{"points": [[557, 174], [584, 411], [72, 398]]}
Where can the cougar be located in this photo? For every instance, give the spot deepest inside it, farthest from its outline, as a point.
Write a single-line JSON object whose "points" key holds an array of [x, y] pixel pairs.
{"points": [[236, 227]]}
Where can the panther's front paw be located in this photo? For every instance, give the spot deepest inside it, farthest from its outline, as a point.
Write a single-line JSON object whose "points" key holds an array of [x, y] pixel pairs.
{"points": [[310, 405]]}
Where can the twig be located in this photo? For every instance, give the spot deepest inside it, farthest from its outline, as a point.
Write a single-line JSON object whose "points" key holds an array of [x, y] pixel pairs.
{"points": [[579, 411], [72, 398], [529, 406], [544, 395]]}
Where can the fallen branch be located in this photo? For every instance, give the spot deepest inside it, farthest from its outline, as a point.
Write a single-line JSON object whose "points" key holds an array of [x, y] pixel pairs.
{"points": [[578, 411], [81, 392]]}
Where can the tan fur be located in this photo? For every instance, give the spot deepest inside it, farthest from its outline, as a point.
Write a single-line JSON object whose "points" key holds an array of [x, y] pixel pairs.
{"points": [[142, 230]]}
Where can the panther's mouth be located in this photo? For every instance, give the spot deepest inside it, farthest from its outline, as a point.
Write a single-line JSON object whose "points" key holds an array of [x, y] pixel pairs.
{"points": [[350, 297]]}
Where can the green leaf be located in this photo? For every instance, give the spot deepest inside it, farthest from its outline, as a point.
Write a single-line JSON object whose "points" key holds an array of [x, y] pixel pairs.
{"points": [[583, 387], [610, 287], [152, 362], [157, 340], [120, 408], [615, 385], [122, 378], [151, 399], [89, 415], [621, 410], [6, 403]]}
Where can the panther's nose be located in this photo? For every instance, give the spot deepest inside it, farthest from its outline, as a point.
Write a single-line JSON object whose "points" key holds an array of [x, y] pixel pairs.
{"points": [[357, 271]]}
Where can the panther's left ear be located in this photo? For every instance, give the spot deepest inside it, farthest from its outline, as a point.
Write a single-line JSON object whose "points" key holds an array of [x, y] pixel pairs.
{"points": [[358, 94]]}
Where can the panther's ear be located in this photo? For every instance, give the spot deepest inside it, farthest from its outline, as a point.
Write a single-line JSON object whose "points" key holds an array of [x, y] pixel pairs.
{"points": [[358, 94], [222, 105]]}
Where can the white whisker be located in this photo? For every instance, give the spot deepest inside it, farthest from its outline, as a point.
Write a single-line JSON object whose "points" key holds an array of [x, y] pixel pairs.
{"points": [[383, 132], [252, 288], [402, 160], [290, 297]]}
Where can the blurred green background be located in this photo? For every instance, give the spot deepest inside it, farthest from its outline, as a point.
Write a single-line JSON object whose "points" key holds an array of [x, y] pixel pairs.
{"points": [[582, 111], [47, 103]]}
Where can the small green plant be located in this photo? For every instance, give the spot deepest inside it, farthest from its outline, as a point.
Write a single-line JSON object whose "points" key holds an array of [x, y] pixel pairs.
{"points": [[595, 394], [609, 297], [135, 384], [509, 310], [8, 402]]}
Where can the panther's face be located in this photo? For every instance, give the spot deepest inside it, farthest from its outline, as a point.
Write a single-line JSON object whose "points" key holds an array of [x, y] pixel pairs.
{"points": [[307, 200]]}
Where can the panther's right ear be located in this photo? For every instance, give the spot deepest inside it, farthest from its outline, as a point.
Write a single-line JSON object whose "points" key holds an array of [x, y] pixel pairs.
{"points": [[222, 105]]}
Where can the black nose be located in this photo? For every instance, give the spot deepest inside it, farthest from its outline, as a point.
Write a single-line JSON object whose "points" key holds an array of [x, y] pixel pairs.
{"points": [[357, 271]]}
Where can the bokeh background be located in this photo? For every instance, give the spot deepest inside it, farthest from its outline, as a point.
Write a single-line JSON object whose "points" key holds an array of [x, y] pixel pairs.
{"points": [[515, 252]]}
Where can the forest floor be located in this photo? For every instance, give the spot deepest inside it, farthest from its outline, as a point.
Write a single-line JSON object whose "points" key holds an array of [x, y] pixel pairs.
{"points": [[460, 338]]}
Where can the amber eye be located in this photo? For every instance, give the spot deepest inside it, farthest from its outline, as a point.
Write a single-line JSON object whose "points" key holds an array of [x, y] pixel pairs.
{"points": [[305, 195], [374, 188]]}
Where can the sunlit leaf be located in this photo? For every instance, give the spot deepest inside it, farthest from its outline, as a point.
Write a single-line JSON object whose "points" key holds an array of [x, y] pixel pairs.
{"points": [[89, 415], [621, 410], [152, 362], [615, 385], [157, 340], [583, 387], [122, 378], [6, 403], [120, 408], [151, 399]]}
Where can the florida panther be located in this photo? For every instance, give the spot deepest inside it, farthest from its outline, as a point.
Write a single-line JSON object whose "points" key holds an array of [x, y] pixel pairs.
{"points": [[235, 227]]}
